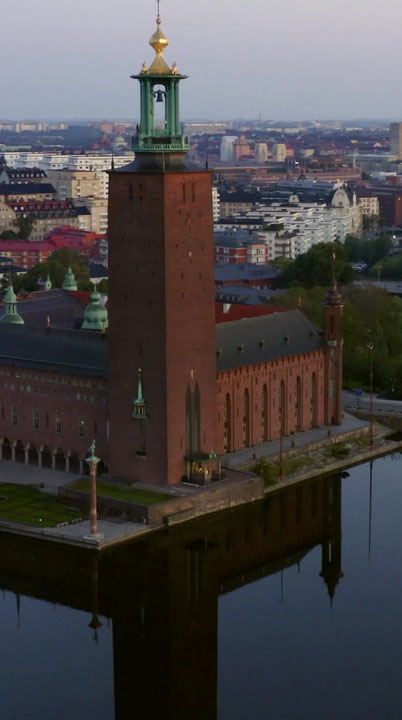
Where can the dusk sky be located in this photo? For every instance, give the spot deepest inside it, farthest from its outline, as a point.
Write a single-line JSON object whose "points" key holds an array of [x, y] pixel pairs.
{"points": [[283, 59]]}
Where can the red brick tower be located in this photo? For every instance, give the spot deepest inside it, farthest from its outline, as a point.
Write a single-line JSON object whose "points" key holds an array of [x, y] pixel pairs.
{"points": [[161, 295], [333, 336]]}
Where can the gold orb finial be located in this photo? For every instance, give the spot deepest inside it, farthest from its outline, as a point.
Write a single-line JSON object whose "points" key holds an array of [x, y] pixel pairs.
{"points": [[159, 42]]}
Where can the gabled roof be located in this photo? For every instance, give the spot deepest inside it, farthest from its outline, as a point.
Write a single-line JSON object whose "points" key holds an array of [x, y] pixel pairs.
{"points": [[256, 340]]}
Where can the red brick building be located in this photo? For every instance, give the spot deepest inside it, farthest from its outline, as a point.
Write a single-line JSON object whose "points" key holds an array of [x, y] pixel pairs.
{"points": [[167, 391], [27, 254]]}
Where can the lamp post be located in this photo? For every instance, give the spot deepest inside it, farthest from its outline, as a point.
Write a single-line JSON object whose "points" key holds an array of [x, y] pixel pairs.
{"points": [[92, 461], [371, 347]]}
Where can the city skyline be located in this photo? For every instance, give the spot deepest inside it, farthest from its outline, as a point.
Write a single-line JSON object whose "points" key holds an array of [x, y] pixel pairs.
{"points": [[296, 69]]}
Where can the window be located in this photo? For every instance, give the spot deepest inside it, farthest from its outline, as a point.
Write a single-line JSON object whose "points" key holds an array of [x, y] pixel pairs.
{"points": [[58, 423], [14, 418], [81, 427], [36, 418]]}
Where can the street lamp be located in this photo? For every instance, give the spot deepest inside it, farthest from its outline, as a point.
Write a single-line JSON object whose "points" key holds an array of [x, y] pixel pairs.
{"points": [[371, 348]]}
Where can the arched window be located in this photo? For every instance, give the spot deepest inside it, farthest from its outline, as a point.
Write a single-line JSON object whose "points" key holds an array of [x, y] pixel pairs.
{"points": [[246, 419], [265, 414], [299, 405], [314, 400], [227, 418]]}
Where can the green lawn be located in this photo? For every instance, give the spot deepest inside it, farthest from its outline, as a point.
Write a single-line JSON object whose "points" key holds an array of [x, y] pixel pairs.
{"points": [[141, 497], [20, 504]]}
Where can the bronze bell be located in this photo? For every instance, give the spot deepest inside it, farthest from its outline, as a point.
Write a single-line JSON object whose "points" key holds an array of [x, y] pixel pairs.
{"points": [[159, 96]]}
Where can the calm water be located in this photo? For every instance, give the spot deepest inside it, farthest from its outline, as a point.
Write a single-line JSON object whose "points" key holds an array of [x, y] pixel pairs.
{"points": [[287, 609]]}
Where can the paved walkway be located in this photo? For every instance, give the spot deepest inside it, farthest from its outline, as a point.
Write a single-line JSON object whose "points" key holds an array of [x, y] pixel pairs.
{"points": [[51, 480], [45, 478], [298, 440]]}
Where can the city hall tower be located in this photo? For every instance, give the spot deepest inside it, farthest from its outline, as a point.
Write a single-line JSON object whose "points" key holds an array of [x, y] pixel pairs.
{"points": [[162, 347]]}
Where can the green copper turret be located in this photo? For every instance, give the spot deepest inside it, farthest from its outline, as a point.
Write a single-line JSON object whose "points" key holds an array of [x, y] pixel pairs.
{"points": [[139, 411], [10, 310], [69, 282], [95, 315], [160, 84]]}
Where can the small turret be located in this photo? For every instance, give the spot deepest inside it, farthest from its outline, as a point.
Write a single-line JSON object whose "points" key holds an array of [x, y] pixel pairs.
{"points": [[69, 282], [10, 310], [95, 315], [139, 411], [48, 283]]}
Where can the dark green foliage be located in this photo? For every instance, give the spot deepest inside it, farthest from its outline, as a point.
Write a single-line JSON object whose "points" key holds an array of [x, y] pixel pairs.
{"points": [[389, 268], [9, 235], [317, 266], [338, 451], [103, 286], [371, 315], [25, 225], [56, 266], [368, 250], [268, 473]]}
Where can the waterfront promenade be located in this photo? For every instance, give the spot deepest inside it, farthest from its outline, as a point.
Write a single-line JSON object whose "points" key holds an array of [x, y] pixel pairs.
{"points": [[184, 502]]}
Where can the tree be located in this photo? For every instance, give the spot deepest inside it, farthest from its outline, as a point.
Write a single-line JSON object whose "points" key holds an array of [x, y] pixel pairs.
{"points": [[103, 286], [317, 266], [368, 250], [56, 266], [371, 315], [25, 225], [9, 235]]}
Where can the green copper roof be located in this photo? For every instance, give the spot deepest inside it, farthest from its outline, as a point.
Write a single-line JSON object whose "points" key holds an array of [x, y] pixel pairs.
{"points": [[69, 282], [95, 315], [10, 310]]}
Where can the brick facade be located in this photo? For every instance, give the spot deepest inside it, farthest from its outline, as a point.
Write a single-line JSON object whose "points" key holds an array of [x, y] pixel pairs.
{"points": [[162, 318]]}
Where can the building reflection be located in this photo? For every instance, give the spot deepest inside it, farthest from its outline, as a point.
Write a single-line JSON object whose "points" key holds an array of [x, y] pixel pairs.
{"points": [[162, 593]]}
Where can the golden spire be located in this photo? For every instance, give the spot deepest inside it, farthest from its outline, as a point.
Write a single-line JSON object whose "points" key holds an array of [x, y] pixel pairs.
{"points": [[159, 42]]}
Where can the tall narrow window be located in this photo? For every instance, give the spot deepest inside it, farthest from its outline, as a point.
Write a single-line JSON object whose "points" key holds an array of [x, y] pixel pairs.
{"points": [[299, 405], [282, 408], [14, 417], [264, 414], [227, 417], [246, 418], [314, 400], [58, 423], [36, 418], [196, 420], [189, 429], [81, 427]]}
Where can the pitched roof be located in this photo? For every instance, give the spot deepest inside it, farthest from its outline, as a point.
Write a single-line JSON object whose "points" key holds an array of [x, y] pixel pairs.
{"points": [[62, 309], [27, 189], [245, 271], [262, 339], [226, 312], [73, 352]]}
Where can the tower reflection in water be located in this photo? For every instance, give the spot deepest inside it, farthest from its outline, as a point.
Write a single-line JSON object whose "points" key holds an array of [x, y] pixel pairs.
{"points": [[161, 594]]}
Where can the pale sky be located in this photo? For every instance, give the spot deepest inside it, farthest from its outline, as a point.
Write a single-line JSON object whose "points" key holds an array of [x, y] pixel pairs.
{"points": [[283, 59]]}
